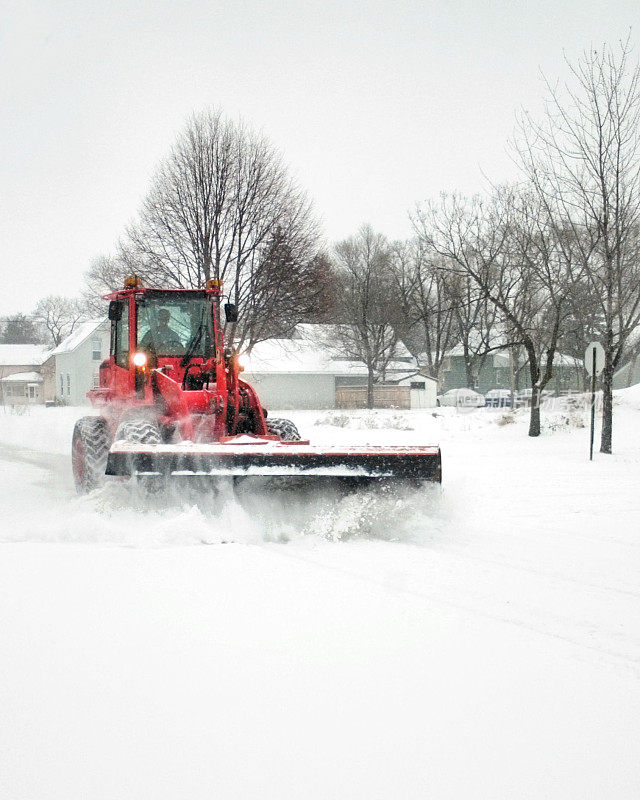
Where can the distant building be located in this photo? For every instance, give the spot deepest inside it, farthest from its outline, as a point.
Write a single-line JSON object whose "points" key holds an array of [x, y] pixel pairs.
{"points": [[495, 373], [304, 372], [78, 359], [26, 374], [423, 389]]}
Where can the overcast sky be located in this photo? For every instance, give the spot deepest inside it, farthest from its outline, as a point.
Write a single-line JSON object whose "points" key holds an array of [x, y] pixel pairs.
{"points": [[374, 105]]}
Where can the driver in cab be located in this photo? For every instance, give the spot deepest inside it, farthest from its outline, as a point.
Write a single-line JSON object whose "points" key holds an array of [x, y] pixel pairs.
{"points": [[163, 340]]}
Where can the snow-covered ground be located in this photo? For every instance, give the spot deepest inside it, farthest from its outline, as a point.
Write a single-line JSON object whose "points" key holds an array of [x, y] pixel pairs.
{"points": [[482, 642]]}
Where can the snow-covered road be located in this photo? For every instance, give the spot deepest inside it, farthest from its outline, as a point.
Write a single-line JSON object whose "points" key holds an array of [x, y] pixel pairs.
{"points": [[481, 643]]}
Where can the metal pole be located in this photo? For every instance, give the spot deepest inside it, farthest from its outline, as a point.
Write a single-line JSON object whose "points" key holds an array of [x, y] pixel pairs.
{"points": [[593, 402]]}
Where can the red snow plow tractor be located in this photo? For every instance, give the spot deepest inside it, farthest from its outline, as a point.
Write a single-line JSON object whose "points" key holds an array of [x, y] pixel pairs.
{"points": [[172, 404]]}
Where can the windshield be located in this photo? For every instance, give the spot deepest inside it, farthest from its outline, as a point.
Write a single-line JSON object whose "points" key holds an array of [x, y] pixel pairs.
{"points": [[170, 324]]}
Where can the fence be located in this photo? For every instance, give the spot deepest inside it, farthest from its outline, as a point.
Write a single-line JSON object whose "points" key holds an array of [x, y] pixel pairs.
{"points": [[383, 396]]}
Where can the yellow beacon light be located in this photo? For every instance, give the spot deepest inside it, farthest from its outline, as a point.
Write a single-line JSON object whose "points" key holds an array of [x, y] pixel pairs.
{"points": [[132, 282]]}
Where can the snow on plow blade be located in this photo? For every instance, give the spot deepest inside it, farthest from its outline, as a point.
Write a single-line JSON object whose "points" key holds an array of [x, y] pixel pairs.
{"points": [[261, 458]]}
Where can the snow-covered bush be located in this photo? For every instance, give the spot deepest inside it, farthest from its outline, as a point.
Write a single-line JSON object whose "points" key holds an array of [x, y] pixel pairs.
{"points": [[336, 420], [366, 420]]}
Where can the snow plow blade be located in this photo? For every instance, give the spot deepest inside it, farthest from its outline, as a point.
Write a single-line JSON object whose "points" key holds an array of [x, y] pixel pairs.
{"points": [[271, 459]]}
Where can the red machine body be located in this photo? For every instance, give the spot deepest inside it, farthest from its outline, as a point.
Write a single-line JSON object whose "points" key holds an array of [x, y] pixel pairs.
{"points": [[205, 398]]}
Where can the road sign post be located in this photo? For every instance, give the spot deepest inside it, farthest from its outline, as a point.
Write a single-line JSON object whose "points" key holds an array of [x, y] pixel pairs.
{"points": [[593, 404], [594, 364]]}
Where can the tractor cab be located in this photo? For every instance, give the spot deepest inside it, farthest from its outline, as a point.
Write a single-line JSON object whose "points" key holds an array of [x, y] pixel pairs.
{"points": [[176, 331], [171, 327], [167, 353]]}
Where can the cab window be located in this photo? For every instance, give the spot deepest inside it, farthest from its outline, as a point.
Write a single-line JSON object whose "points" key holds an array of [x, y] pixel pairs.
{"points": [[169, 326], [120, 338]]}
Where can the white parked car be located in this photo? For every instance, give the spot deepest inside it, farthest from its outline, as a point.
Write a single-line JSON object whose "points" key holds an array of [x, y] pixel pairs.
{"points": [[461, 398]]}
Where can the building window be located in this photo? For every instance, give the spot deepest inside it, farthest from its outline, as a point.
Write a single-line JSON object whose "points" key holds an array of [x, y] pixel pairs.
{"points": [[96, 350], [418, 385], [68, 383], [61, 385]]}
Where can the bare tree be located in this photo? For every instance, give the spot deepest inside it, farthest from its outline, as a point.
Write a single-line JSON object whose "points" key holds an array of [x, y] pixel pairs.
{"points": [[59, 316], [476, 323], [584, 324], [424, 296], [365, 305], [510, 251], [218, 206], [105, 274], [584, 160]]}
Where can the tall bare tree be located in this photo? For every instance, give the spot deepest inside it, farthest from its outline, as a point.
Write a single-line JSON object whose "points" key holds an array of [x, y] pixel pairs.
{"points": [[511, 253], [105, 274], [59, 316], [218, 206], [584, 160], [476, 322], [365, 307], [424, 294]]}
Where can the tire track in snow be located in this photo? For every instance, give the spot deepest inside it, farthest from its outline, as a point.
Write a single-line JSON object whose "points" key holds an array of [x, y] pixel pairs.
{"points": [[612, 655]]}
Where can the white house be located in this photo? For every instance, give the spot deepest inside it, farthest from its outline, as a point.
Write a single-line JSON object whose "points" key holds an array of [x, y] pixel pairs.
{"points": [[78, 359], [303, 372]]}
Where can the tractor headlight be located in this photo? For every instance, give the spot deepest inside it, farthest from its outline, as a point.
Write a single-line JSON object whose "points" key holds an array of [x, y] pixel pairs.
{"points": [[140, 359], [243, 361]]}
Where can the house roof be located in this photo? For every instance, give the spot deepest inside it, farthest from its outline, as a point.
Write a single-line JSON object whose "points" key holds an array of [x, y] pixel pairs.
{"points": [[415, 374], [562, 359], [17, 355], [321, 333], [75, 339], [501, 358], [23, 377]]}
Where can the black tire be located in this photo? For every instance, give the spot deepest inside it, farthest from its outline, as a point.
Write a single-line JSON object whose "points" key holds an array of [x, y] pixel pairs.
{"points": [[89, 450], [142, 430], [283, 428], [139, 430]]}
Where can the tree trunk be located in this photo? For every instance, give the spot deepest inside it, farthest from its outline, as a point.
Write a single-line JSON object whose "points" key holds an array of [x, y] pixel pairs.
{"points": [[534, 418], [512, 382], [607, 409], [607, 389], [468, 369], [370, 388]]}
